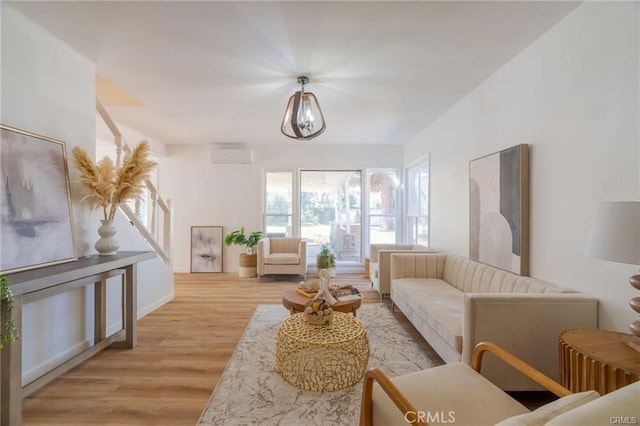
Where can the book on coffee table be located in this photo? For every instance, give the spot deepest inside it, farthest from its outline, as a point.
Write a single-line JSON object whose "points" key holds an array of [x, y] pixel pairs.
{"points": [[347, 293]]}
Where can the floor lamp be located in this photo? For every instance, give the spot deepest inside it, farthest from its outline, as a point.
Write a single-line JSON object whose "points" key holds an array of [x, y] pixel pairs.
{"points": [[615, 236]]}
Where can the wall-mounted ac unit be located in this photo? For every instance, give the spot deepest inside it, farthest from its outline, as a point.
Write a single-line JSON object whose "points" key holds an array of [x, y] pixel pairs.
{"points": [[230, 156]]}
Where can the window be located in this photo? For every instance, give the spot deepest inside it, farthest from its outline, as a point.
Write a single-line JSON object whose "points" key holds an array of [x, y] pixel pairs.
{"points": [[417, 207], [383, 206], [278, 204]]}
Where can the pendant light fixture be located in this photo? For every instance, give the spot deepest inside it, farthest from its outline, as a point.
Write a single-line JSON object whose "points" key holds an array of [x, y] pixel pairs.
{"points": [[303, 118]]}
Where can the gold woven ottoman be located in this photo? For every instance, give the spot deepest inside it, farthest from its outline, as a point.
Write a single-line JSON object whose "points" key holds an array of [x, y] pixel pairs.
{"points": [[322, 358]]}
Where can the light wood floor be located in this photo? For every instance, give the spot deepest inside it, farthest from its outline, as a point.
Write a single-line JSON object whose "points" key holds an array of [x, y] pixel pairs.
{"points": [[182, 350]]}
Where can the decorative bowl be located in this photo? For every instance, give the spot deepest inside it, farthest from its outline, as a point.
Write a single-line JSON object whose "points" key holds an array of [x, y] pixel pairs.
{"points": [[316, 319], [318, 312]]}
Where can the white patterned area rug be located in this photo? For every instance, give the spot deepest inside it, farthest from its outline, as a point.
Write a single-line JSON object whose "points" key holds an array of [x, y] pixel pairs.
{"points": [[251, 392]]}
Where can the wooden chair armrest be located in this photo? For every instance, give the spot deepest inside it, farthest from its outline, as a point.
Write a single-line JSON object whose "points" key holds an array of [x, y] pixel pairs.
{"points": [[403, 404], [518, 364]]}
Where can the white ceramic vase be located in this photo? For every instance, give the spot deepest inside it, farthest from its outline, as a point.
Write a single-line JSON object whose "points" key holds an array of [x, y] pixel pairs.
{"points": [[107, 244]]}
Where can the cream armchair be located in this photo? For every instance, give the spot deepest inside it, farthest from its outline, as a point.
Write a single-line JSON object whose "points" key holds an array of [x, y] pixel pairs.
{"points": [[282, 256]]}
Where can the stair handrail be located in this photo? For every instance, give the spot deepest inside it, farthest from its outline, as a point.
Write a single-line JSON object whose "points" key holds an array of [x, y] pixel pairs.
{"points": [[158, 237]]}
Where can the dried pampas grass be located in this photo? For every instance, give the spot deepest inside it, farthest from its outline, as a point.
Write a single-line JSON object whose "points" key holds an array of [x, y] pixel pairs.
{"points": [[106, 185]]}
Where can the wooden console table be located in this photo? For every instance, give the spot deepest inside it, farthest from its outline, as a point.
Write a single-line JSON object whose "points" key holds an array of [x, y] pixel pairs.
{"points": [[36, 284], [599, 360]]}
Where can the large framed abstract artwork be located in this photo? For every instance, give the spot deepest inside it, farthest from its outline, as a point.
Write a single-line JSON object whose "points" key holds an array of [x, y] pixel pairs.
{"points": [[36, 222], [206, 249], [499, 209]]}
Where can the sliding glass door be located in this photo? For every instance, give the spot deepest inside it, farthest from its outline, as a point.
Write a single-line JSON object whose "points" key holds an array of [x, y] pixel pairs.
{"points": [[331, 213], [326, 207]]}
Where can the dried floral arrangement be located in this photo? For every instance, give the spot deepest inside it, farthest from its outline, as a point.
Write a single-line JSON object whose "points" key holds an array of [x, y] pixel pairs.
{"points": [[107, 185]]}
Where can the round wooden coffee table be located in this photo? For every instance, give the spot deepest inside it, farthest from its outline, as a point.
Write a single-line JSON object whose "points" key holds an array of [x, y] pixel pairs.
{"points": [[295, 302]]}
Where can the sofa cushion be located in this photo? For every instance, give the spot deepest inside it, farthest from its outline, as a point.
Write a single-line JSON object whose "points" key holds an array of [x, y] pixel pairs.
{"points": [[281, 259], [454, 393], [543, 414], [375, 249], [620, 407], [439, 305], [284, 245]]}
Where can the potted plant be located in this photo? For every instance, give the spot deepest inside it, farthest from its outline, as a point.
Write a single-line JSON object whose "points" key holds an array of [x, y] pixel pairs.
{"points": [[326, 260], [8, 330], [248, 260], [238, 238]]}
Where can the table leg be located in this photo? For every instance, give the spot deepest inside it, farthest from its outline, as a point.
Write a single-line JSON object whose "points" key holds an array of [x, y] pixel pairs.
{"points": [[11, 370], [129, 308], [100, 309]]}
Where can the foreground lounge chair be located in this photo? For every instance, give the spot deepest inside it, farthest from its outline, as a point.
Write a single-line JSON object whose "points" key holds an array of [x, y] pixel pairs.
{"points": [[458, 394]]}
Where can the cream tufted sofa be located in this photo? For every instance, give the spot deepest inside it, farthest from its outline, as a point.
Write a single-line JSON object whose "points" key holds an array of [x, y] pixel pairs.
{"points": [[456, 303], [380, 262], [282, 256]]}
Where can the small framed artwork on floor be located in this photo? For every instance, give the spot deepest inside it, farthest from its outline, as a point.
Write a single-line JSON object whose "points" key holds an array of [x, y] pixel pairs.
{"points": [[206, 249]]}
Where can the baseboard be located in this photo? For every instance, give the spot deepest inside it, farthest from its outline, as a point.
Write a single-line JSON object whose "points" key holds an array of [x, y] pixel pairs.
{"points": [[152, 307]]}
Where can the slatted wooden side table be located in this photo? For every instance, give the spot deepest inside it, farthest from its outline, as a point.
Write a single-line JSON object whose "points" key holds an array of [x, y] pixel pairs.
{"points": [[597, 360]]}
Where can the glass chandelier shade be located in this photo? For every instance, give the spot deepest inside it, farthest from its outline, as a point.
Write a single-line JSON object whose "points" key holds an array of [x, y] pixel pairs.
{"points": [[303, 117]]}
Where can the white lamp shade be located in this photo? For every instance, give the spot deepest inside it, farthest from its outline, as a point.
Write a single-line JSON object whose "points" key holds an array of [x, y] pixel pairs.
{"points": [[615, 232]]}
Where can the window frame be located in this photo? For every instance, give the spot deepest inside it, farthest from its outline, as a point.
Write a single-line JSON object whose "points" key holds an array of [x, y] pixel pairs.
{"points": [[409, 217]]}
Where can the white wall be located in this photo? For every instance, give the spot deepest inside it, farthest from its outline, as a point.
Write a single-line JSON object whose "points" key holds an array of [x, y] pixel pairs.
{"points": [[49, 89], [574, 96], [230, 196]]}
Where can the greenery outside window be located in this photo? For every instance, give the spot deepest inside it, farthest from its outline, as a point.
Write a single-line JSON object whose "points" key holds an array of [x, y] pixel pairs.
{"points": [[278, 204]]}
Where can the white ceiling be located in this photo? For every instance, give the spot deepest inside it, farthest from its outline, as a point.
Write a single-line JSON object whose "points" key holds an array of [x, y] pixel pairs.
{"points": [[222, 72]]}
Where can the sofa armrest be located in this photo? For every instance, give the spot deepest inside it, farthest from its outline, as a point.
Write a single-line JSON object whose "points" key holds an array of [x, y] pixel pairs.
{"points": [[527, 325], [392, 391], [262, 249], [302, 251], [384, 269]]}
